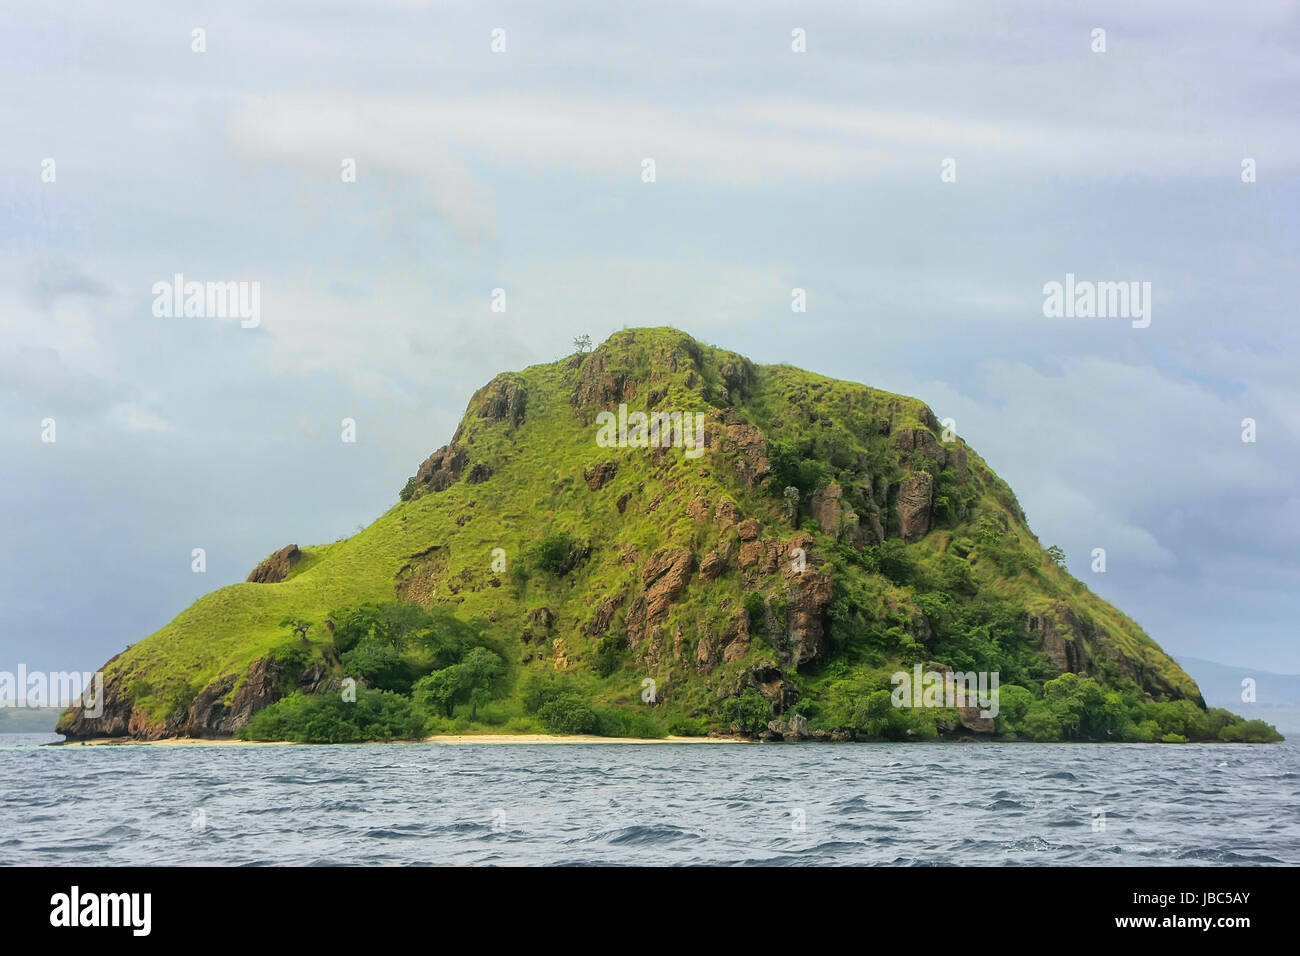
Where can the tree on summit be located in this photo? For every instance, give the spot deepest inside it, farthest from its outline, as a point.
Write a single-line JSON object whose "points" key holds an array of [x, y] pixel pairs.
{"points": [[582, 343]]}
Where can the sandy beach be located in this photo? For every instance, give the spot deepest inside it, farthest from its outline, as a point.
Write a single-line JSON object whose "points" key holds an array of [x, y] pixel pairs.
{"points": [[444, 739], [575, 739]]}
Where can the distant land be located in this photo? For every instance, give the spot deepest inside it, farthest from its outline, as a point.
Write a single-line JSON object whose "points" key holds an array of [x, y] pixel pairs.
{"points": [[29, 720], [1277, 696]]}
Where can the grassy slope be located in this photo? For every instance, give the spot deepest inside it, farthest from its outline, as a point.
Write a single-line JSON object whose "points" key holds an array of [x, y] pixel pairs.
{"points": [[538, 487]]}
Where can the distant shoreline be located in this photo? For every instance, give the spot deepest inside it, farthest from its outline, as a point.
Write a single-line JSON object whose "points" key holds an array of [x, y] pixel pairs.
{"points": [[444, 739]]}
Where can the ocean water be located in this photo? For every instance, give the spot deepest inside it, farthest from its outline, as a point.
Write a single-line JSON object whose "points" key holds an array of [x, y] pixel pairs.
{"points": [[918, 804]]}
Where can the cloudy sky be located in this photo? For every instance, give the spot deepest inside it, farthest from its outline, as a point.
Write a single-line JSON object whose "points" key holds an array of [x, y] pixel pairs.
{"points": [[522, 170]]}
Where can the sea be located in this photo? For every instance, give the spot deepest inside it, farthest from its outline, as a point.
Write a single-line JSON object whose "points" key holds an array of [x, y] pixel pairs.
{"points": [[915, 804]]}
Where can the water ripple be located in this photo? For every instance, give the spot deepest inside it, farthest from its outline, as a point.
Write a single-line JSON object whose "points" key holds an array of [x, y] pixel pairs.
{"points": [[421, 805]]}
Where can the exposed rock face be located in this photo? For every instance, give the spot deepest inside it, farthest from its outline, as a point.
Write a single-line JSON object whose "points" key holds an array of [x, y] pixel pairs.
{"points": [[957, 461], [970, 719], [712, 566], [807, 605], [726, 514], [665, 577], [748, 530], [276, 568], [751, 553], [738, 376], [1147, 677], [915, 497], [441, 469], [827, 509], [736, 640], [1067, 642], [745, 446], [542, 617], [115, 721], [600, 474], [1060, 635], [417, 580], [796, 728], [260, 688], [605, 612], [560, 653], [599, 388], [705, 652], [873, 532], [914, 443], [209, 716], [478, 473], [503, 400], [771, 683]]}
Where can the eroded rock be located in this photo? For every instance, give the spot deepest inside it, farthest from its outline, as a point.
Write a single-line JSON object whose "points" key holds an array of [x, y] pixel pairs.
{"points": [[915, 497], [277, 567]]}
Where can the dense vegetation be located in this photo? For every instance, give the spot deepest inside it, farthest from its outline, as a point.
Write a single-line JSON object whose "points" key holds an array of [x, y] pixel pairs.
{"points": [[423, 672], [1070, 708]]}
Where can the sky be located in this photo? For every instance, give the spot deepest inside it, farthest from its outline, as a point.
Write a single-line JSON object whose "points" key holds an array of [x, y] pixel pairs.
{"points": [[522, 169]]}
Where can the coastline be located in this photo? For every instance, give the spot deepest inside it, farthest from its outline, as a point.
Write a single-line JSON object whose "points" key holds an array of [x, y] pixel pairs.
{"points": [[444, 740]]}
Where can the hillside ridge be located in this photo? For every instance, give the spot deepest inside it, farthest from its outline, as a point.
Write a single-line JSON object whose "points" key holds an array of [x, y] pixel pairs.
{"points": [[580, 557]]}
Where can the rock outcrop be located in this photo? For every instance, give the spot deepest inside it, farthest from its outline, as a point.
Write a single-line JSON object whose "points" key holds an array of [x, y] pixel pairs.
{"points": [[277, 567], [600, 474], [915, 497], [502, 400], [441, 469]]}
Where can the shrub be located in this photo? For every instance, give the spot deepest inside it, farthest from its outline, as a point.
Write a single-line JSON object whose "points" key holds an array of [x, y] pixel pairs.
{"points": [[609, 651], [378, 665], [1013, 704], [569, 714], [328, 719], [945, 493], [1250, 732], [1041, 724], [618, 722], [894, 561], [1145, 732], [750, 710], [679, 725], [291, 660], [471, 680], [536, 689], [557, 554], [955, 576]]}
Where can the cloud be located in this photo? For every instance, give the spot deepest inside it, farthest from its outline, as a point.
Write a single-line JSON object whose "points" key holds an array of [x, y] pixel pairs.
{"points": [[753, 140], [136, 418], [459, 339], [51, 277], [774, 170]]}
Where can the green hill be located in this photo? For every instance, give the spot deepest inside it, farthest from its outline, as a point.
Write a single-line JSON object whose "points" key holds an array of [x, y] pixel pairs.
{"points": [[826, 536]]}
